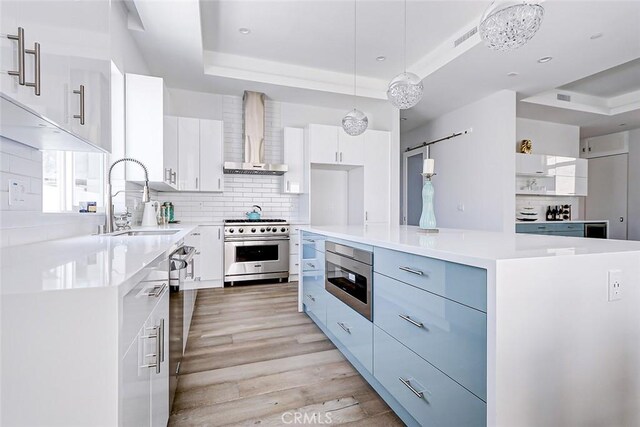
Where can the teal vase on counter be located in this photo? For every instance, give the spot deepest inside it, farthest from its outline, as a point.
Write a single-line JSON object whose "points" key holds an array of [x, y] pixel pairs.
{"points": [[428, 217]]}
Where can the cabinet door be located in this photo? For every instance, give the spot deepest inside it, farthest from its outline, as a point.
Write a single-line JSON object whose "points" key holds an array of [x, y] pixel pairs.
{"points": [[9, 48], [534, 164], [211, 155], [188, 153], [570, 166], [134, 392], [323, 144], [376, 176], [294, 159], [350, 148], [90, 109], [571, 186], [211, 254], [194, 239], [170, 151], [160, 380]]}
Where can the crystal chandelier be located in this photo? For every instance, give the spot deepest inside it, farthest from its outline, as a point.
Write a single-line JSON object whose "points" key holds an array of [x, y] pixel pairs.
{"points": [[355, 122], [510, 26], [405, 90]]}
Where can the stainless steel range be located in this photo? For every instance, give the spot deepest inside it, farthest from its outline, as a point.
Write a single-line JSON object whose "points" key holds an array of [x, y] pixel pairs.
{"points": [[256, 250]]}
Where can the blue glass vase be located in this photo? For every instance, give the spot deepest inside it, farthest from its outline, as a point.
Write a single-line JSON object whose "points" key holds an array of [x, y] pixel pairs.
{"points": [[428, 217]]}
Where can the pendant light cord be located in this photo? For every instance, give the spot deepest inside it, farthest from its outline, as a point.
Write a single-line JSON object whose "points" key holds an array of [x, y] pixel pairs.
{"points": [[355, 50], [404, 43]]}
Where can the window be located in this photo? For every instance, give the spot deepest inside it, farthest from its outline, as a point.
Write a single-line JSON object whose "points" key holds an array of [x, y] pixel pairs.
{"points": [[71, 179]]}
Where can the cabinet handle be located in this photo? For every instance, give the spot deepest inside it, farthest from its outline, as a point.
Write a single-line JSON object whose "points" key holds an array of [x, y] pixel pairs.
{"points": [[193, 269], [410, 387], [341, 157], [196, 183], [20, 39], [161, 339], [311, 298], [411, 270], [366, 216], [81, 115], [336, 157], [174, 176], [158, 336], [218, 234], [157, 290], [344, 327], [288, 186], [167, 174], [197, 252], [219, 184], [311, 265], [410, 320], [36, 53], [195, 234]]}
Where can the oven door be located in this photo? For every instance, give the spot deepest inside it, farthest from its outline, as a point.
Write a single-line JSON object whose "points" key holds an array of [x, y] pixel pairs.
{"points": [[255, 257], [349, 281]]}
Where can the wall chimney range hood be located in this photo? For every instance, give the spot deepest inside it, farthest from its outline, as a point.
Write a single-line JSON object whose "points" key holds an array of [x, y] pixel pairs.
{"points": [[254, 118]]}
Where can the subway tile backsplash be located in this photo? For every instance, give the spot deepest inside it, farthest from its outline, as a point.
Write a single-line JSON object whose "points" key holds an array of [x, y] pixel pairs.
{"points": [[541, 203]]}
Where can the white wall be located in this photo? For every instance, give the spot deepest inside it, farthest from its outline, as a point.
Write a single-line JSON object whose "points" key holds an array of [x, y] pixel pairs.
{"points": [[329, 190], [475, 170], [549, 138], [633, 210], [124, 49]]}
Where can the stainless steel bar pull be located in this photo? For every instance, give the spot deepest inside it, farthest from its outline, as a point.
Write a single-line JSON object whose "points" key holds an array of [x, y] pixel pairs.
{"points": [[411, 270], [410, 387], [36, 53], [311, 297], [410, 320], [81, 115], [344, 327], [20, 39]]}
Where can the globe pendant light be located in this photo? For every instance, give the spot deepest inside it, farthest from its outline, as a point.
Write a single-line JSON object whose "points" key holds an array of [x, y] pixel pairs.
{"points": [[511, 25], [405, 90], [355, 122]]}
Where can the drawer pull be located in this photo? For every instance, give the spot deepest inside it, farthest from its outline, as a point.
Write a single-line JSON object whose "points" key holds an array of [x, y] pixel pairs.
{"points": [[156, 291], [345, 327], [411, 270], [311, 298], [311, 265], [410, 387], [413, 322]]}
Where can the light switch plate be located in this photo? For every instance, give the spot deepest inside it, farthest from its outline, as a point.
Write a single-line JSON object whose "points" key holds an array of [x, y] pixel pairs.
{"points": [[615, 285], [17, 191]]}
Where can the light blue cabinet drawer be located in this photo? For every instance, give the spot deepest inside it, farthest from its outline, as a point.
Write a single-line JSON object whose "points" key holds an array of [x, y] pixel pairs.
{"points": [[313, 241], [352, 330], [436, 400], [314, 298], [462, 283], [553, 229], [451, 336]]}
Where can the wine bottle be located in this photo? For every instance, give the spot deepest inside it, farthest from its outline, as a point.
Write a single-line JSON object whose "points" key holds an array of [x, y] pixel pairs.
{"points": [[549, 215]]}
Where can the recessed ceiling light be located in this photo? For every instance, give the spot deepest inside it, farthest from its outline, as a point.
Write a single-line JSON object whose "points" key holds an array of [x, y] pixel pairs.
{"points": [[404, 119], [381, 58], [622, 124], [596, 36], [512, 74], [244, 31], [545, 59]]}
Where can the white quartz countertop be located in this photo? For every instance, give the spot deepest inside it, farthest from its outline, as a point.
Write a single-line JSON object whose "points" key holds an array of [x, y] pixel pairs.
{"points": [[99, 261], [478, 248]]}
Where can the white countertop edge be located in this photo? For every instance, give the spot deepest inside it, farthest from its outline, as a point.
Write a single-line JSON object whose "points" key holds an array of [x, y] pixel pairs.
{"points": [[576, 221]]}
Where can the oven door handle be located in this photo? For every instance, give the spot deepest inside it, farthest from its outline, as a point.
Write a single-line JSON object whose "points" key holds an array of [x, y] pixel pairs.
{"points": [[253, 239]]}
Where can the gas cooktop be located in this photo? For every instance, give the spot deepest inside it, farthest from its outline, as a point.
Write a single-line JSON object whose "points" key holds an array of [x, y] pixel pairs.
{"points": [[243, 221]]}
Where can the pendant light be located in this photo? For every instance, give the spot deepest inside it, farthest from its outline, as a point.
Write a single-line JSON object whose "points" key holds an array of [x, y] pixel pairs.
{"points": [[405, 90], [355, 122], [510, 25]]}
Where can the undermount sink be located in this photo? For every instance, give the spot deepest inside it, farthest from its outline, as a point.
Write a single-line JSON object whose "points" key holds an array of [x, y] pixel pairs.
{"points": [[145, 233]]}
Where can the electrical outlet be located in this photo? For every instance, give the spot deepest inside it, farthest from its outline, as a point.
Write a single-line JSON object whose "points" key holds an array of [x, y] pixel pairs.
{"points": [[615, 285], [17, 191]]}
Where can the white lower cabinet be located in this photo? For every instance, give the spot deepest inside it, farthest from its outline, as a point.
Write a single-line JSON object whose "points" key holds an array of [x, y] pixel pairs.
{"points": [[208, 270], [160, 377], [134, 390]]}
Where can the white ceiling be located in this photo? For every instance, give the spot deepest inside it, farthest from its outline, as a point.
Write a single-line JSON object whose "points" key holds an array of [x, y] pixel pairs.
{"points": [[616, 81], [301, 51]]}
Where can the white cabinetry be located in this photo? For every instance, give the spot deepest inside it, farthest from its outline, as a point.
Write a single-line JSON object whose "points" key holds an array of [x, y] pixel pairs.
{"points": [[605, 145], [551, 175], [377, 176], [145, 126], [200, 154], [66, 56], [208, 262], [331, 145], [293, 182]]}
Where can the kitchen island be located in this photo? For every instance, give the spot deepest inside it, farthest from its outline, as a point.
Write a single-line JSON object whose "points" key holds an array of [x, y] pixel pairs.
{"points": [[483, 328]]}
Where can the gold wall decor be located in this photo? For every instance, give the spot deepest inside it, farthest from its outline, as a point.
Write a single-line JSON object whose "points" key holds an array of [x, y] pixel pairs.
{"points": [[525, 146]]}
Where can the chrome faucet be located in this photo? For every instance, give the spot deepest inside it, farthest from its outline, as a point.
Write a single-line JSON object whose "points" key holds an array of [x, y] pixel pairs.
{"points": [[109, 205]]}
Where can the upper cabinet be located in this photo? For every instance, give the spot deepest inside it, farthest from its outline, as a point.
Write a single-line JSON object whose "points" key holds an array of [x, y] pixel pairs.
{"points": [[200, 152], [377, 182], [539, 174], [293, 182], [55, 61], [331, 145], [605, 145]]}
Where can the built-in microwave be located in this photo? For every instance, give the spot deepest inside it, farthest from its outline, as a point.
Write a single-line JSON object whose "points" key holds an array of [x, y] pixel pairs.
{"points": [[349, 276]]}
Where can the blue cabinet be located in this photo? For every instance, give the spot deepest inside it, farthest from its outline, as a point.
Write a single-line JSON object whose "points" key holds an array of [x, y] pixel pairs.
{"points": [[352, 330], [570, 229], [461, 283], [449, 335], [431, 397], [313, 292]]}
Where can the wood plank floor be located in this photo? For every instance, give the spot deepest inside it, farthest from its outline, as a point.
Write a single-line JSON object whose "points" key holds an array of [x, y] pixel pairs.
{"points": [[251, 357]]}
